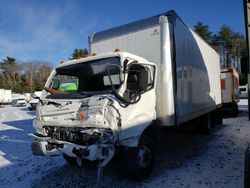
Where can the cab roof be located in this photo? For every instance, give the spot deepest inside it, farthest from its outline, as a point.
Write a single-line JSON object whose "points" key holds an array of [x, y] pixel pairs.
{"points": [[122, 55]]}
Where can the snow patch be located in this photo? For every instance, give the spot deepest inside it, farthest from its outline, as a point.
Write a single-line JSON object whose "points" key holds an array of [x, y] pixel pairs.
{"points": [[3, 162], [4, 127]]}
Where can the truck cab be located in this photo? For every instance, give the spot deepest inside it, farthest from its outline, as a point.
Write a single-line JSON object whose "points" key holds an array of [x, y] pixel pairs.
{"points": [[101, 102]]}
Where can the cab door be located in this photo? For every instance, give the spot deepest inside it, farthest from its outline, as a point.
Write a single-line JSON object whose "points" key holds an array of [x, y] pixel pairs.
{"points": [[140, 90]]}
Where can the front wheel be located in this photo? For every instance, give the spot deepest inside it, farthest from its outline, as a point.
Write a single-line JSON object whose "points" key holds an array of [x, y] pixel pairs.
{"points": [[139, 161]]}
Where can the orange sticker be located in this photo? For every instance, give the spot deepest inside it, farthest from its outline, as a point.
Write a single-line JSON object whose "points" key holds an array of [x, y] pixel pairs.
{"points": [[223, 84]]}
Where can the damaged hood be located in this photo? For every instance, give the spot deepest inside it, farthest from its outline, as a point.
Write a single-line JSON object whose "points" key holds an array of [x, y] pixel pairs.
{"points": [[96, 111]]}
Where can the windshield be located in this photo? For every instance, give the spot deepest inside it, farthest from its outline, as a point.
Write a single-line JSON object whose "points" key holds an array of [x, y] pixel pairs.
{"points": [[88, 77]]}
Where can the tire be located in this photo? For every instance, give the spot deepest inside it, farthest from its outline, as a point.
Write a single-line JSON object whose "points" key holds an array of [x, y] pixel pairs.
{"points": [[247, 168], [139, 161], [218, 117], [70, 160], [203, 125], [213, 119], [235, 109]]}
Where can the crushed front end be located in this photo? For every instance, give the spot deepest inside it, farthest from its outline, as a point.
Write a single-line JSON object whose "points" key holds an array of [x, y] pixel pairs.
{"points": [[83, 128], [77, 114]]}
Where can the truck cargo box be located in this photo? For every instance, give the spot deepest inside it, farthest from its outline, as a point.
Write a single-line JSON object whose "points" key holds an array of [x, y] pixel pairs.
{"points": [[230, 89], [188, 80], [229, 85]]}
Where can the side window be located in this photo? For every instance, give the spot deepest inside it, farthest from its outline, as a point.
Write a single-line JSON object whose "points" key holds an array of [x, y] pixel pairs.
{"points": [[140, 77], [151, 76]]}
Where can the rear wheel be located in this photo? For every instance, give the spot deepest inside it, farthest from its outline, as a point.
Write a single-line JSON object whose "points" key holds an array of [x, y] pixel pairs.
{"points": [[212, 116], [235, 109], [139, 161], [218, 117], [203, 124]]}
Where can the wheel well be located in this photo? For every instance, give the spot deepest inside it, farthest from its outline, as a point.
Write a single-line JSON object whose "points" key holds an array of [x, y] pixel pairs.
{"points": [[152, 132]]}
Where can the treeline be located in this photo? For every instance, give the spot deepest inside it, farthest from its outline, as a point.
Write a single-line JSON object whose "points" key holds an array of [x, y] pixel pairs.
{"points": [[226, 40], [230, 45], [23, 76], [28, 76]]}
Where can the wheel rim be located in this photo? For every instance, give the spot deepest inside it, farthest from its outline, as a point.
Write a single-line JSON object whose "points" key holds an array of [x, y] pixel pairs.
{"points": [[144, 156]]}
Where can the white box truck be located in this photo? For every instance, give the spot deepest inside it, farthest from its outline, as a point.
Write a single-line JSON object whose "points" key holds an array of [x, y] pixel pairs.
{"points": [[230, 90], [1, 96], [163, 75], [5, 96]]}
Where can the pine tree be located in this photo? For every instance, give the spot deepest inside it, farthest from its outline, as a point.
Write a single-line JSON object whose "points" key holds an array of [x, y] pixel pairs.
{"points": [[203, 31]]}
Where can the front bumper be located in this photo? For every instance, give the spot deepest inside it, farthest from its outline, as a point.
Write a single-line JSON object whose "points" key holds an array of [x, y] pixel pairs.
{"points": [[95, 152]]}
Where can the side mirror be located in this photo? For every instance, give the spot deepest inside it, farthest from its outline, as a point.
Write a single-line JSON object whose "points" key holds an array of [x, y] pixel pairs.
{"points": [[143, 80]]}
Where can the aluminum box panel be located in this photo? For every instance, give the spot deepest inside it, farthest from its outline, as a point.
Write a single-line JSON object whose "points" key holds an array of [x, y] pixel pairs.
{"points": [[188, 79]]}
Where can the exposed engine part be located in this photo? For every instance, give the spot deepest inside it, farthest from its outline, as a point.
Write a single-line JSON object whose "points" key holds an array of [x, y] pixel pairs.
{"points": [[80, 152], [85, 137], [77, 137]]}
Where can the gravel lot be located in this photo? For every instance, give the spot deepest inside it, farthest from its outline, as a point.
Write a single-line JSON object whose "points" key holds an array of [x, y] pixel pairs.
{"points": [[183, 158]]}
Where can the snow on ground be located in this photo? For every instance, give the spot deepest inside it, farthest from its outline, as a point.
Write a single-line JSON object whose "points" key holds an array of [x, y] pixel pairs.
{"points": [[18, 167], [183, 158]]}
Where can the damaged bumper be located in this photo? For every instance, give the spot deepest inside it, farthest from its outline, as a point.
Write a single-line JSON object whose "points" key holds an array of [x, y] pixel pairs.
{"points": [[102, 152]]}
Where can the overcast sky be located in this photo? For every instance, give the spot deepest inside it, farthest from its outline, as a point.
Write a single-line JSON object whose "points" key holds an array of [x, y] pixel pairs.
{"points": [[49, 30]]}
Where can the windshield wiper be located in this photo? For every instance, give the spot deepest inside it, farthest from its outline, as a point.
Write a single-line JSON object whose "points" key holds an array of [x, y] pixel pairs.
{"points": [[85, 93], [91, 93]]}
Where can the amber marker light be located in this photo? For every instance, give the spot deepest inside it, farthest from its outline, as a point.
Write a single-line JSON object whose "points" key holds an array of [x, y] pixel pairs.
{"points": [[81, 116]]}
